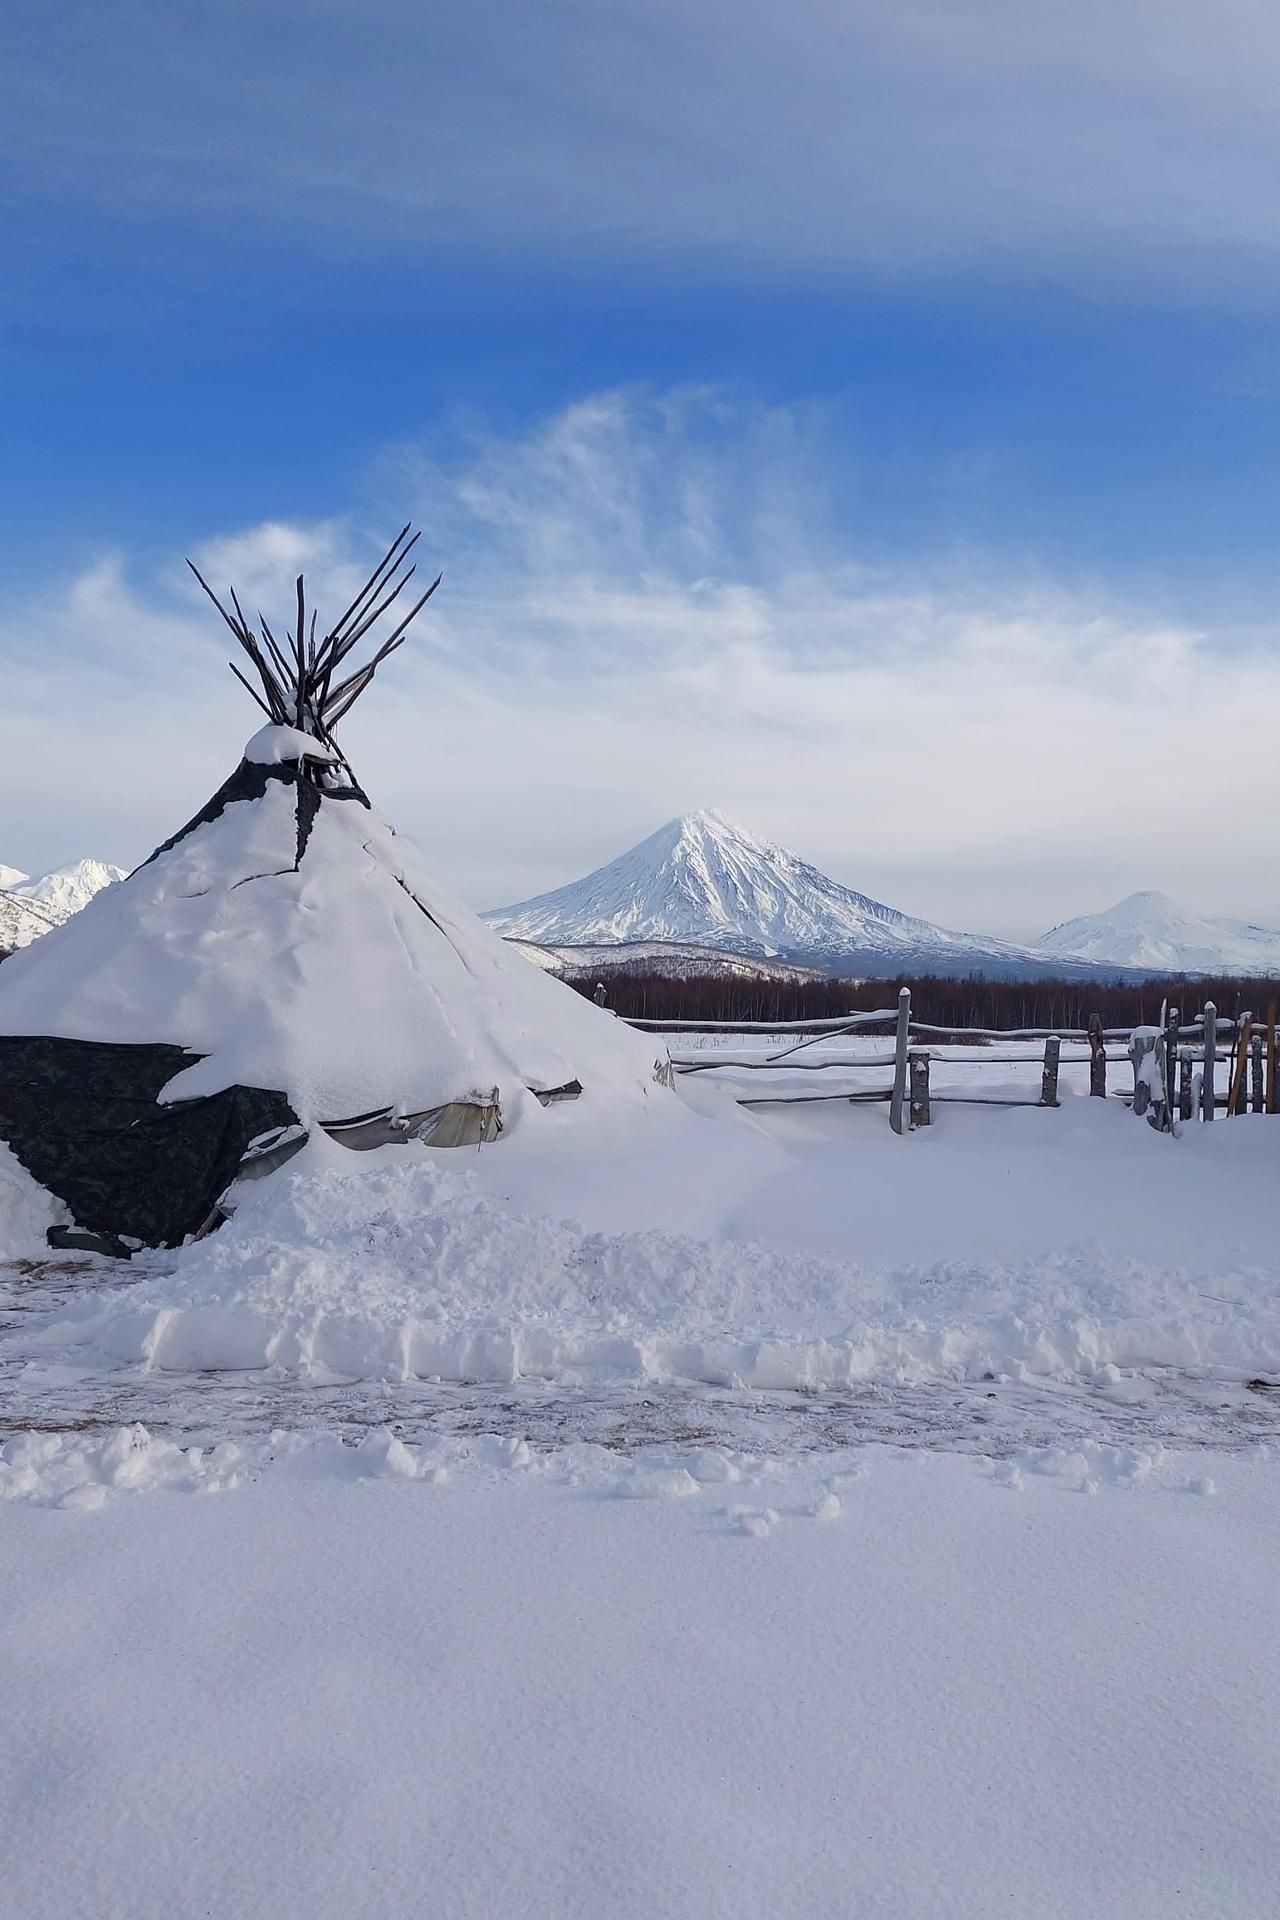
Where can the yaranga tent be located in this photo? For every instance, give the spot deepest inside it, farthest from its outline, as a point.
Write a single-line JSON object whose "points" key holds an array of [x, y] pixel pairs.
{"points": [[285, 962]]}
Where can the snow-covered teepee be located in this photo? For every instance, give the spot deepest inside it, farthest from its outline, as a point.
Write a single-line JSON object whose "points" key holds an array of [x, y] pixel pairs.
{"points": [[285, 962]]}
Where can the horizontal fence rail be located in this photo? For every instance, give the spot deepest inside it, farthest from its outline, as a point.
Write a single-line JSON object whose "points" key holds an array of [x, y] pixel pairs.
{"points": [[1174, 1064], [827, 1029], [843, 1023], [698, 1063]]}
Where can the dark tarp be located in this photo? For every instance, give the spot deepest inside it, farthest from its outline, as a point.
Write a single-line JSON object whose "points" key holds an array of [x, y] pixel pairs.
{"points": [[81, 1116]]}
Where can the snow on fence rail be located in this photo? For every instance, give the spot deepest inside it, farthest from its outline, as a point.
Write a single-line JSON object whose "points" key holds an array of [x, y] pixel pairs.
{"points": [[1163, 1059], [843, 1023], [848, 1022]]}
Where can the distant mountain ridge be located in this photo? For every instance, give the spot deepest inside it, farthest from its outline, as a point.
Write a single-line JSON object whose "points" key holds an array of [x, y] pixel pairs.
{"points": [[30, 907], [701, 886], [701, 879], [1150, 931], [673, 959]]}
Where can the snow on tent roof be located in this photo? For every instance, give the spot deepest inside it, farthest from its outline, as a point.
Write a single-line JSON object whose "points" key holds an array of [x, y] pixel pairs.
{"points": [[291, 942]]}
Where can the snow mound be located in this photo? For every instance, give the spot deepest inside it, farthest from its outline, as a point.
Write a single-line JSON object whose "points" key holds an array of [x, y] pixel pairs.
{"points": [[83, 1470], [274, 746], [26, 1211], [79, 1472], [403, 1271]]}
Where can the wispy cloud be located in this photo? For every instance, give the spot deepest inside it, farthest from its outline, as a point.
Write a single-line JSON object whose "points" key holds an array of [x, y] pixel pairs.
{"points": [[644, 611], [816, 139]]}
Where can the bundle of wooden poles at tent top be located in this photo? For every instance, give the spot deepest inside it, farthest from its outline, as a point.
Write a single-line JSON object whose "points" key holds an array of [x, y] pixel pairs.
{"points": [[1188, 1058], [296, 679]]}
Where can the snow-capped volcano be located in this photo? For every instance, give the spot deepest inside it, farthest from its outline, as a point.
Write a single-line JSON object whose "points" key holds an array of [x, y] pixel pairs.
{"points": [[1150, 930], [701, 878], [29, 907]]}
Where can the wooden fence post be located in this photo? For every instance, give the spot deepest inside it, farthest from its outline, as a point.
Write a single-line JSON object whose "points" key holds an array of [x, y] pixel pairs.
{"points": [[1235, 1095], [1184, 1084], [1140, 1045], [1209, 1076], [1255, 1073], [1097, 1058], [1170, 1062], [1049, 1078], [900, 1060], [1271, 1057], [919, 1064]]}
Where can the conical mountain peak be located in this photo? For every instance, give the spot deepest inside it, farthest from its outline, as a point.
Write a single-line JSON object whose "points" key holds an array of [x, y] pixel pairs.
{"points": [[702, 878], [711, 817], [1149, 930]]}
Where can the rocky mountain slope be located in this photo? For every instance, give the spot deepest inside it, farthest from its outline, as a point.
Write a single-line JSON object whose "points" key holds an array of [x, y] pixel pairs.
{"points": [[673, 959]]}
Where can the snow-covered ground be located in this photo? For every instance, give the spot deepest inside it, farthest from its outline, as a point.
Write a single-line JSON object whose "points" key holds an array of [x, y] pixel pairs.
{"points": [[567, 1688], [692, 1510]]}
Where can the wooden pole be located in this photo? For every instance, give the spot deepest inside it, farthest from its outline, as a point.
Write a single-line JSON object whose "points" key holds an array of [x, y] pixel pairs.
{"points": [[1271, 1057], [919, 1065], [1170, 1064], [1097, 1058], [1243, 1036], [1232, 1051], [1210, 1060], [900, 1060], [1255, 1073], [1140, 1045], [1184, 1084], [1049, 1078]]}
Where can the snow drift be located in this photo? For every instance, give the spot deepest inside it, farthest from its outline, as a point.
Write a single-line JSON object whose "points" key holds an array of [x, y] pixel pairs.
{"points": [[26, 1211], [404, 1271]]}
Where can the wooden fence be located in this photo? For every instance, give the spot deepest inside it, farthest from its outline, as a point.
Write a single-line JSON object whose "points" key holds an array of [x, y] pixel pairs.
{"points": [[1174, 1066]]}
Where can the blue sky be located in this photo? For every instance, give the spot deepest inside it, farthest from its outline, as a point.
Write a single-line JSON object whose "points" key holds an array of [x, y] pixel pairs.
{"points": [[839, 333]]}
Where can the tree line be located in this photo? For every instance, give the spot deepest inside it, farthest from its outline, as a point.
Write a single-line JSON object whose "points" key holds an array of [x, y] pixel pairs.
{"points": [[939, 1002]]}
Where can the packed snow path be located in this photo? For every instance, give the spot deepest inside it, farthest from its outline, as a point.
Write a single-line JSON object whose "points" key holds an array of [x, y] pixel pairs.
{"points": [[1171, 1406]]}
